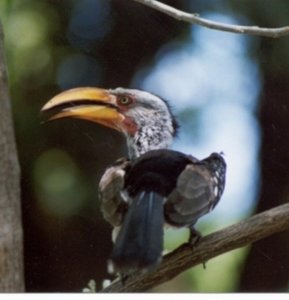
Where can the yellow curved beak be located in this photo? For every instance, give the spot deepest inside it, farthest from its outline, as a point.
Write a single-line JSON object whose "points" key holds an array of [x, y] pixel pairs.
{"points": [[88, 103]]}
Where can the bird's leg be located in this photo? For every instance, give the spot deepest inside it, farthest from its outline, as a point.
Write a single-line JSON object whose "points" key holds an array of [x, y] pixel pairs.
{"points": [[194, 239]]}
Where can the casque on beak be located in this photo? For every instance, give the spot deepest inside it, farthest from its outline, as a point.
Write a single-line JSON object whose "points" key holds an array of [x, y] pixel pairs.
{"points": [[88, 103]]}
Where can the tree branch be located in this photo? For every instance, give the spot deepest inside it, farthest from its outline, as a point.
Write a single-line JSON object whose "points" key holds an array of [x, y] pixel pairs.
{"points": [[196, 19], [235, 236]]}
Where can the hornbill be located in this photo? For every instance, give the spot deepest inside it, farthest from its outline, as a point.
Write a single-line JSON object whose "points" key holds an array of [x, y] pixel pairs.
{"points": [[154, 186]]}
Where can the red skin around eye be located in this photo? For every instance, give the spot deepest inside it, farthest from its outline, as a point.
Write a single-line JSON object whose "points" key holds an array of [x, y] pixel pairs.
{"points": [[129, 125]]}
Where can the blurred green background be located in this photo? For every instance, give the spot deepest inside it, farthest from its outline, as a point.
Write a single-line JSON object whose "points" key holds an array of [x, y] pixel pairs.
{"points": [[230, 93]]}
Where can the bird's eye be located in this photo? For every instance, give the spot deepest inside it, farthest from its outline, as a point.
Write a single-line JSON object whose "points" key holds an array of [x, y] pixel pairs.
{"points": [[124, 100]]}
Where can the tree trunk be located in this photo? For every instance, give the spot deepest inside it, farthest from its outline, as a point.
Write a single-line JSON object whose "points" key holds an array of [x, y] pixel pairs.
{"points": [[11, 254], [266, 268]]}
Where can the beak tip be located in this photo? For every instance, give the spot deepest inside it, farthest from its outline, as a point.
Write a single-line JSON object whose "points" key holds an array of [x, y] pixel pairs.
{"points": [[47, 106]]}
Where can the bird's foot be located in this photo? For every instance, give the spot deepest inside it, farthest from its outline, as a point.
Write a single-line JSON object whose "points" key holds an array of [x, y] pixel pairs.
{"points": [[194, 238]]}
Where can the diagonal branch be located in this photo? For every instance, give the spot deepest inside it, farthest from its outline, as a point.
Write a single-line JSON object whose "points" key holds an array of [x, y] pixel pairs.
{"points": [[235, 236], [196, 19]]}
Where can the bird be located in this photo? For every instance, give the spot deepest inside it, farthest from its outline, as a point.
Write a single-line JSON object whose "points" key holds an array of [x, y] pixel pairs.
{"points": [[154, 186]]}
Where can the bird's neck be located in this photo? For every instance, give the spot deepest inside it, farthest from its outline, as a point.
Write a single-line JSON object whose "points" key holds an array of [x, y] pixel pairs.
{"points": [[148, 138]]}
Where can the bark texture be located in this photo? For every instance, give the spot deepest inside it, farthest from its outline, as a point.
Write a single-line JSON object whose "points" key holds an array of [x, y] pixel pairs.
{"points": [[11, 246]]}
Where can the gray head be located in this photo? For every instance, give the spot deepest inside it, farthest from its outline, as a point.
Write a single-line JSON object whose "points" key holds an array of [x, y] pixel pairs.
{"points": [[151, 124]]}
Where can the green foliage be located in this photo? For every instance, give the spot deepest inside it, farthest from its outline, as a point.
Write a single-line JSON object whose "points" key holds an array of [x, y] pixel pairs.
{"points": [[221, 274], [28, 27], [58, 183]]}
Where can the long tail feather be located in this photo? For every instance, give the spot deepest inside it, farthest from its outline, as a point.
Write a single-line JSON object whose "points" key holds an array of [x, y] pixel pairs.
{"points": [[140, 241]]}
